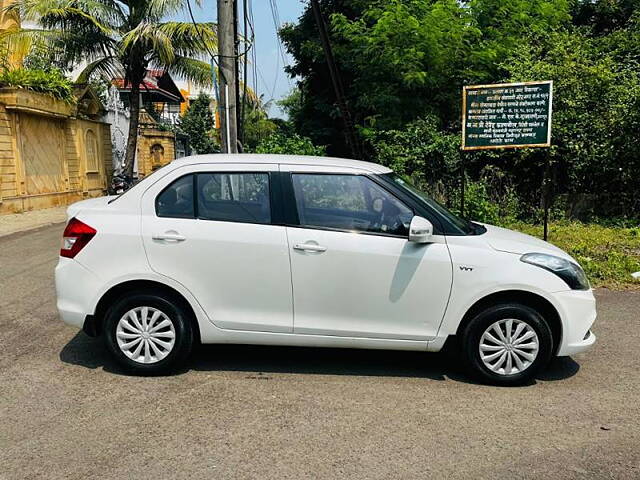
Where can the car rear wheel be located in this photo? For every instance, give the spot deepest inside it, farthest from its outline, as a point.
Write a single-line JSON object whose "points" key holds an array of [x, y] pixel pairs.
{"points": [[148, 333], [507, 344]]}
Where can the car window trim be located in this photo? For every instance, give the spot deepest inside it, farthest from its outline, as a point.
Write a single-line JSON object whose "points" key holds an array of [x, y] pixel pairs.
{"points": [[293, 217], [344, 230], [195, 195]]}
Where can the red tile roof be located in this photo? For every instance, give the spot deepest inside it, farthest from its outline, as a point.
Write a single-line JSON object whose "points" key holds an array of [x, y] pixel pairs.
{"points": [[149, 83]]}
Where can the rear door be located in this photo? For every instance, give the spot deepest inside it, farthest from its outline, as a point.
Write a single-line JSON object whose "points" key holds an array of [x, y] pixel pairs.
{"points": [[354, 271], [211, 228]]}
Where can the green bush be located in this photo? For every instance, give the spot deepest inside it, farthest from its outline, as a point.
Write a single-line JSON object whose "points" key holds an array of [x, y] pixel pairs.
{"points": [[490, 199], [51, 82], [289, 145], [478, 205], [421, 151]]}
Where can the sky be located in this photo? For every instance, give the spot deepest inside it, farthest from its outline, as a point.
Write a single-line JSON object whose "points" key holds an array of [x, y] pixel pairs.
{"points": [[273, 82]]}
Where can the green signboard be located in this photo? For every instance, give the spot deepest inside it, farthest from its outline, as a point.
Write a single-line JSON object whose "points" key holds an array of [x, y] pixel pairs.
{"points": [[507, 115]]}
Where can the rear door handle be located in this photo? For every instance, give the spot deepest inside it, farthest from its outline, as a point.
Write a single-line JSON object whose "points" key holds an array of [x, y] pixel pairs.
{"points": [[309, 247], [171, 237]]}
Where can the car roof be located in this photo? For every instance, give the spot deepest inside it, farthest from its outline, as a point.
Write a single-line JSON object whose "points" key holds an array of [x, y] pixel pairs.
{"points": [[281, 159]]}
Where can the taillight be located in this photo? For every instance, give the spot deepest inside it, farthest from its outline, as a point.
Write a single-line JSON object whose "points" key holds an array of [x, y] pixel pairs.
{"points": [[75, 237]]}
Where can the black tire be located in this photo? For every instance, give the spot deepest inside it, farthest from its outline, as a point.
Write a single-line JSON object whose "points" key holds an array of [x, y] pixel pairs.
{"points": [[174, 311], [472, 334]]}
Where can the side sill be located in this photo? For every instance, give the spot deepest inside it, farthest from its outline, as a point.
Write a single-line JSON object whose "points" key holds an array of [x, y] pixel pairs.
{"points": [[436, 344]]}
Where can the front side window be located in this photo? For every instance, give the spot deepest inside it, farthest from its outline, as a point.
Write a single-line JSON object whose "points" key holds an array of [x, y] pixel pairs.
{"points": [[176, 201], [234, 197], [349, 202]]}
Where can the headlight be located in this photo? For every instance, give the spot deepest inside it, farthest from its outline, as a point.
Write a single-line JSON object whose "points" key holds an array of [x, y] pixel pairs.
{"points": [[568, 271]]}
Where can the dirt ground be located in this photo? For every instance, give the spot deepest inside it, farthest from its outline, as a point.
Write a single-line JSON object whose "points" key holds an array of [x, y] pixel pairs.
{"points": [[261, 412]]}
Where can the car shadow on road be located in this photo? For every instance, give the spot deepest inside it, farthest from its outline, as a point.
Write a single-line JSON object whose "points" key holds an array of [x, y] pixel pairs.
{"points": [[262, 360]]}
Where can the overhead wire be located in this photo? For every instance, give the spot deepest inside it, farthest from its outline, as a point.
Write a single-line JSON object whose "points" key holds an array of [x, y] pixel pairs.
{"points": [[257, 73], [275, 14], [212, 55], [278, 25]]}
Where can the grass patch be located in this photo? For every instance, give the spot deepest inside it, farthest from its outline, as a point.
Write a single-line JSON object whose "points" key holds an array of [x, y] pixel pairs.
{"points": [[609, 255]]}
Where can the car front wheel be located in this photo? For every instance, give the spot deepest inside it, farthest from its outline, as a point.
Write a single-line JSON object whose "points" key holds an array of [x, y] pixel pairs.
{"points": [[148, 333], [507, 344]]}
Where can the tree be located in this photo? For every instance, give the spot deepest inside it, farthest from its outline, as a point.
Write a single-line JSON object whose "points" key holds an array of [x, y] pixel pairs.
{"points": [[404, 62], [604, 17], [279, 143], [403, 59], [596, 115], [118, 39], [256, 124], [197, 122]]}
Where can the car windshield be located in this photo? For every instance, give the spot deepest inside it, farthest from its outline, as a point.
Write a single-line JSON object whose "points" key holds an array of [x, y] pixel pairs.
{"points": [[458, 222]]}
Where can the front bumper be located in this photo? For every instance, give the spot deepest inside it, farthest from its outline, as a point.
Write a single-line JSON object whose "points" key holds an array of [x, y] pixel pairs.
{"points": [[577, 347], [577, 310]]}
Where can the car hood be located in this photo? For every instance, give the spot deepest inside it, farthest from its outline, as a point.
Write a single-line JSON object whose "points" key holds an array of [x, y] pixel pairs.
{"points": [[505, 240], [89, 204]]}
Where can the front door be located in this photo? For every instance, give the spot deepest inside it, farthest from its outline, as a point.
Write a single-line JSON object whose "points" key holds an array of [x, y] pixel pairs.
{"points": [[354, 271], [210, 228]]}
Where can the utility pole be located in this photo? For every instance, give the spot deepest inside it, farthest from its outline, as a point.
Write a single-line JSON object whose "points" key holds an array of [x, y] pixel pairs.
{"points": [[227, 64], [236, 69], [349, 130]]}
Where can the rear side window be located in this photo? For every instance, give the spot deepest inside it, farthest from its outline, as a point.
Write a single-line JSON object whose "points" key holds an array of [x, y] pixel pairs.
{"points": [[176, 201], [234, 197]]}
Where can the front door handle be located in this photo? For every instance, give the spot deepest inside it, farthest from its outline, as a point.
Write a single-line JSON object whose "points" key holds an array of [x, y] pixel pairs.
{"points": [[168, 236], [309, 247]]}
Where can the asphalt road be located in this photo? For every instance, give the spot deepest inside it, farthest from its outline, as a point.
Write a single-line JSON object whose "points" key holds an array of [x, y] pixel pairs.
{"points": [[66, 411]]}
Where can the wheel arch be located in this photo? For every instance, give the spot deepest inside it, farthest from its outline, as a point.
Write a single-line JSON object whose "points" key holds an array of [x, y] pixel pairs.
{"points": [[131, 286], [532, 300]]}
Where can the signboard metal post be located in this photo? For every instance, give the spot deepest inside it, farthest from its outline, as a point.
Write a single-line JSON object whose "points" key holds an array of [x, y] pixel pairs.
{"points": [[462, 182], [546, 200], [508, 115]]}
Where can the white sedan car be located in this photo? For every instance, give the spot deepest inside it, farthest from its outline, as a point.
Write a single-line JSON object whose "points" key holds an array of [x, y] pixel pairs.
{"points": [[306, 251]]}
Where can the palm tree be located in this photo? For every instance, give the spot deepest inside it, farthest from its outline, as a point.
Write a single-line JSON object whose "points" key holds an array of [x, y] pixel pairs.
{"points": [[119, 38]]}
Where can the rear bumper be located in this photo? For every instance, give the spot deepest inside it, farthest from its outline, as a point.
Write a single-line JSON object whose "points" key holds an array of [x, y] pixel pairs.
{"points": [[577, 309], [75, 288]]}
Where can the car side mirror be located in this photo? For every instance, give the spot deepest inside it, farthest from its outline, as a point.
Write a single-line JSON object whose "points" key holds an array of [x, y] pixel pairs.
{"points": [[420, 230]]}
